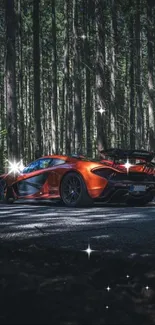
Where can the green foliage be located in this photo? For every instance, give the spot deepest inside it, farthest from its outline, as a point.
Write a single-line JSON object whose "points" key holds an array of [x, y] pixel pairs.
{"points": [[3, 133]]}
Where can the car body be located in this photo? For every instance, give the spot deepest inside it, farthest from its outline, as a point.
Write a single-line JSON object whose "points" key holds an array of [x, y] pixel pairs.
{"points": [[78, 181]]}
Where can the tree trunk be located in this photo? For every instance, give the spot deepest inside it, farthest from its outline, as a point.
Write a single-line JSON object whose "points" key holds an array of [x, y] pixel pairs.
{"points": [[112, 76], [20, 87], [77, 87], [66, 143], [36, 65], [100, 73], [150, 4], [139, 108], [88, 108], [54, 85], [131, 82], [10, 79]]}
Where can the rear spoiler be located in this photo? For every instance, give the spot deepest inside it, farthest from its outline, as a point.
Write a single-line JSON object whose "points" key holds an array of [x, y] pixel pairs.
{"points": [[129, 154]]}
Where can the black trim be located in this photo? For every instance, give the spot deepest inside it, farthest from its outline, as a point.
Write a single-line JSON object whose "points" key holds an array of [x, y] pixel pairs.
{"points": [[30, 185], [111, 174], [124, 154], [132, 176], [120, 192]]}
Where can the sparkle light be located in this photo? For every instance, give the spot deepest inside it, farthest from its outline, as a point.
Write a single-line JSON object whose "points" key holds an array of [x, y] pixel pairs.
{"points": [[83, 36], [88, 251], [127, 165], [147, 287], [108, 288], [15, 167], [101, 110], [127, 276], [107, 307]]}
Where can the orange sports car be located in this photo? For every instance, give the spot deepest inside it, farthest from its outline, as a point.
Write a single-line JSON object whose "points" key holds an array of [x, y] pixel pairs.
{"points": [[78, 181]]}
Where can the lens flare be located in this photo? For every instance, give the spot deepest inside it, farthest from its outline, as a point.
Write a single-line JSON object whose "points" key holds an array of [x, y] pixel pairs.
{"points": [[127, 165], [101, 111], [89, 251], [15, 167]]}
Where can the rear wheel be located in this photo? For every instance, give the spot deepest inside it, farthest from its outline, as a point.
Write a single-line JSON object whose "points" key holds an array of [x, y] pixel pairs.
{"points": [[73, 191]]}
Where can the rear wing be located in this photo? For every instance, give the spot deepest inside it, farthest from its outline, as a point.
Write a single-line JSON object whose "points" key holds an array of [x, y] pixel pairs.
{"points": [[128, 154]]}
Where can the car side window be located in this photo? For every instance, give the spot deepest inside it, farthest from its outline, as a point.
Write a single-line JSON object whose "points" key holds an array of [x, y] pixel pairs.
{"points": [[31, 167], [57, 161], [37, 164], [45, 163]]}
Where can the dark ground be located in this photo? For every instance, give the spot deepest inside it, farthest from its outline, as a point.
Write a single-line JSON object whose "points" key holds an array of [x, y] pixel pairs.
{"points": [[44, 282], [52, 286]]}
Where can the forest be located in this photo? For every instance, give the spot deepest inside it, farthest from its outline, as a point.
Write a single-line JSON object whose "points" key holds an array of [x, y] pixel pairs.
{"points": [[76, 76]]}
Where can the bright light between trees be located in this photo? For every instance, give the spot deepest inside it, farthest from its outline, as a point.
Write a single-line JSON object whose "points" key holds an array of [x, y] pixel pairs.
{"points": [[15, 167]]}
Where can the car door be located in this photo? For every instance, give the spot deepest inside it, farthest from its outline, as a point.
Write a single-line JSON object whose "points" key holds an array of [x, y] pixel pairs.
{"points": [[33, 178]]}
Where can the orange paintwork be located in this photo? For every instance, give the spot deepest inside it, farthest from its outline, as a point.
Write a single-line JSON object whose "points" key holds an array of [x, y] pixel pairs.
{"points": [[134, 168], [95, 184]]}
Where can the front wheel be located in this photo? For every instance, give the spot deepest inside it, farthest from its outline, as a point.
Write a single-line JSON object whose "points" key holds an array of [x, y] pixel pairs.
{"points": [[74, 192], [9, 197]]}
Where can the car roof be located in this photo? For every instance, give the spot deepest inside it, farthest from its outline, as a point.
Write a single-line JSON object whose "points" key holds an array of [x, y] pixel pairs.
{"points": [[54, 156], [69, 158]]}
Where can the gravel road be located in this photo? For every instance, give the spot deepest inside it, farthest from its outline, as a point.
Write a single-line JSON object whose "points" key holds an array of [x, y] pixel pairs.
{"points": [[110, 229]]}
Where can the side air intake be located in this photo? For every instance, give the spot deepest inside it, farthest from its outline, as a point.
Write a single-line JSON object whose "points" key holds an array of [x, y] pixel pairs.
{"points": [[103, 172], [131, 176]]}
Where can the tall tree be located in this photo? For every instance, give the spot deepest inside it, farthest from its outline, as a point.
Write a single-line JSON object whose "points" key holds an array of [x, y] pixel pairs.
{"points": [[65, 146], [88, 108], [139, 108], [2, 99], [92, 75], [77, 88], [100, 70], [54, 83], [20, 82], [36, 64], [113, 45], [10, 79], [132, 78], [151, 102]]}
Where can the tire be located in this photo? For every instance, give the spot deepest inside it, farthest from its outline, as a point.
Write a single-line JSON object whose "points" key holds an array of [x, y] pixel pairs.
{"points": [[9, 198], [2, 190], [73, 191]]}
